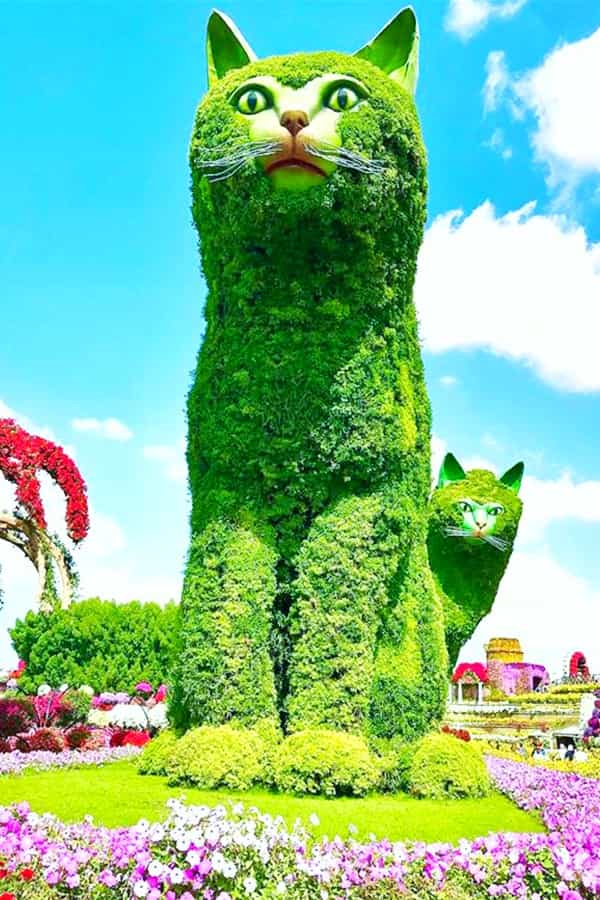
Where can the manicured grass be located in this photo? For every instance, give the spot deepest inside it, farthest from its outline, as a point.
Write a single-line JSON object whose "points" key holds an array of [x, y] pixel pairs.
{"points": [[116, 795]]}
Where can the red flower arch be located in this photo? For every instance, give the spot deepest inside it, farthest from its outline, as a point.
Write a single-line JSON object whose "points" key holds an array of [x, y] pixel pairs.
{"points": [[23, 456], [578, 665], [477, 670]]}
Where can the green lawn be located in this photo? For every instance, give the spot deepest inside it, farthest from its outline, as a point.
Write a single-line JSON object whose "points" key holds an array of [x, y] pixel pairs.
{"points": [[117, 795]]}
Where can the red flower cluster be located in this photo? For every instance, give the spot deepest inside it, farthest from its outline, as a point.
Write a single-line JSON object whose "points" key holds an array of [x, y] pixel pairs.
{"points": [[22, 456], [461, 733], [120, 738], [25, 874]]}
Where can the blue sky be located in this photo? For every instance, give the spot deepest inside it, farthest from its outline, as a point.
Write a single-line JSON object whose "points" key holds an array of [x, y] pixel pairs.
{"points": [[101, 292]]}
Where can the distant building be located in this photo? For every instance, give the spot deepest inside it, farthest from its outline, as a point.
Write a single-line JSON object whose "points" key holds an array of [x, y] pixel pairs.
{"points": [[505, 670]]}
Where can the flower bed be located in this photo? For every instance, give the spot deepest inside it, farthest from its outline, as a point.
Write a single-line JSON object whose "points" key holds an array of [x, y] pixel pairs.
{"points": [[16, 762], [214, 854]]}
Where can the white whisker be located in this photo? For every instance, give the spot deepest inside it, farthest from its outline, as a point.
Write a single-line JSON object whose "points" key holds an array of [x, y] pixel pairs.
{"points": [[226, 165], [345, 158]]}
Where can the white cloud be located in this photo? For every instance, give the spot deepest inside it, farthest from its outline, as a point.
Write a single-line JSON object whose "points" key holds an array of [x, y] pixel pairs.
{"points": [[439, 448], [6, 412], [561, 94], [498, 144], [466, 17], [521, 285], [546, 502], [552, 611], [172, 458], [497, 80], [448, 381], [111, 429]]}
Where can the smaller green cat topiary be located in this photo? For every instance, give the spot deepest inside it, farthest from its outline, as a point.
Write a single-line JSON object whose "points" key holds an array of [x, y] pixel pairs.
{"points": [[444, 767], [217, 756], [318, 761], [155, 757]]}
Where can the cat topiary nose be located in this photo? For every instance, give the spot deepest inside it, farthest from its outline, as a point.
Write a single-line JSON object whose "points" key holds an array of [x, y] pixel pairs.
{"points": [[294, 120]]}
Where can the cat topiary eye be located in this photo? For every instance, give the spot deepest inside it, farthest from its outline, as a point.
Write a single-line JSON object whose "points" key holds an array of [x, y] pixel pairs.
{"points": [[464, 506], [495, 510], [252, 101], [343, 98]]}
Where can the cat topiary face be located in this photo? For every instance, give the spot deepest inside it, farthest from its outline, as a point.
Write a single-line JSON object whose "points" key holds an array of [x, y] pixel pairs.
{"points": [[476, 507], [296, 120]]}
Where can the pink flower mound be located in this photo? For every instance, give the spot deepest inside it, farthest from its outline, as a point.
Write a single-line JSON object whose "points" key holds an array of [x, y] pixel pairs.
{"points": [[206, 853]]}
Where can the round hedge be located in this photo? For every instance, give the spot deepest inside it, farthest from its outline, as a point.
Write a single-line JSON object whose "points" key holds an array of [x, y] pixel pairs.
{"points": [[217, 756], [445, 767], [318, 761], [154, 758]]}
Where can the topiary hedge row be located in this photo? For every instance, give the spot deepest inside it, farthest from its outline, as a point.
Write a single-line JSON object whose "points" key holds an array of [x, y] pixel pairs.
{"points": [[315, 761]]}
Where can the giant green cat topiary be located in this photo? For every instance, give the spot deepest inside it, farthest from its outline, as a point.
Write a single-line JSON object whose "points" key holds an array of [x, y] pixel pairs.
{"points": [[308, 596]]}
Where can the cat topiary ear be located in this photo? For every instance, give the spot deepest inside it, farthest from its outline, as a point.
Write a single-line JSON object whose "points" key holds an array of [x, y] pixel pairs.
{"points": [[450, 471], [226, 47], [395, 49], [514, 477]]}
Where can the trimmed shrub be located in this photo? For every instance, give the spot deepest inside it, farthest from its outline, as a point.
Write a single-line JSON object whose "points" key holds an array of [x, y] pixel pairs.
{"points": [[77, 736], [16, 716], [394, 762], [154, 758], [444, 767], [50, 739], [317, 761], [108, 646], [217, 756]]}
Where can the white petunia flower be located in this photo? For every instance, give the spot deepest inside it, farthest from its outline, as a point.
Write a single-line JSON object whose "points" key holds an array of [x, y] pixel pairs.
{"points": [[250, 884], [155, 868]]}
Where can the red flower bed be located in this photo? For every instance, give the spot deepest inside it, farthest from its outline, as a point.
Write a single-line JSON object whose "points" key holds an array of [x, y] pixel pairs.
{"points": [[121, 738], [461, 733]]}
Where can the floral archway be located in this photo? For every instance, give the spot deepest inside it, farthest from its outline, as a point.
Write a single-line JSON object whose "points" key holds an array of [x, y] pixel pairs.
{"points": [[23, 456]]}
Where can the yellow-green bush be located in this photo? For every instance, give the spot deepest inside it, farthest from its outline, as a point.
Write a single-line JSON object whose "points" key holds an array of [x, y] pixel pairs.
{"points": [[154, 758], [318, 761], [217, 756], [445, 767]]}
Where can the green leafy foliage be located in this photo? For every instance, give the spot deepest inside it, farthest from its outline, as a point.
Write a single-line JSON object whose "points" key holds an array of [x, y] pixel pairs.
{"points": [[213, 757], [445, 767], [154, 758], [394, 758], [318, 761], [108, 646], [307, 594]]}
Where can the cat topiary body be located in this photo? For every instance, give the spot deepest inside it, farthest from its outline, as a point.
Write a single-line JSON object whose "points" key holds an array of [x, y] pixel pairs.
{"points": [[307, 595]]}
